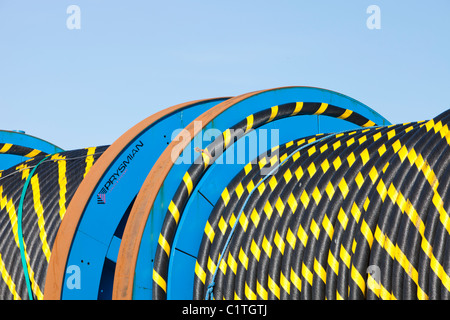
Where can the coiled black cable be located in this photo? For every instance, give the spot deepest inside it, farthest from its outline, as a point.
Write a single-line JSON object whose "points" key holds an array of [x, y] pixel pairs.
{"points": [[366, 218], [215, 149], [51, 189]]}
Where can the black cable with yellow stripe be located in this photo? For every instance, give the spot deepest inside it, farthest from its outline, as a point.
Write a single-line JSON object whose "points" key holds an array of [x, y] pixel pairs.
{"points": [[208, 156], [45, 201], [365, 217]]}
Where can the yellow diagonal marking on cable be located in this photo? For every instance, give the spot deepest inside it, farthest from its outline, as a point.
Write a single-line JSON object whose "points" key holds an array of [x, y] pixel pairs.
{"points": [[89, 160], [343, 187], [32, 154], [174, 211], [40, 214], [201, 274], [320, 271], [226, 138], [211, 265], [302, 235], [357, 277], [159, 280], [206, 158], [274, 112], [345, 256], [5, 147], [279, 242], [222, 225], [223, 266], [315, 229], [62, 181], [343, 219], [255, 217], [8, 280], [164, 244], [209, 231], [290, 238], [321, 109], [267, 247], [249, 122], [285, 283], [296, 280], [333, 263], [346, 114], [12, 213], [307, 274], [249, 293], [225, 196], [368, 124], [298, 108], [243, 258], [274, 287], [255, 250], [367, 233], [261, 291], [188, 182], [232, 263], [328, 226]]}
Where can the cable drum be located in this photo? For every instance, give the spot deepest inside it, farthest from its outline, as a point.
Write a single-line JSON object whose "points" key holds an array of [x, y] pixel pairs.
{"points": [[212, 152], [50, 188], [356, 215]]}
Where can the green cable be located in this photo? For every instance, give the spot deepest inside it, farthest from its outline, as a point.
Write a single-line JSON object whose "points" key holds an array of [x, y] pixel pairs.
{"points": [[21, 242]]}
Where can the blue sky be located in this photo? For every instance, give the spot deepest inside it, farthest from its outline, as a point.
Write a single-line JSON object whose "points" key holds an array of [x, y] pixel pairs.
{"points": [[86, 87]]}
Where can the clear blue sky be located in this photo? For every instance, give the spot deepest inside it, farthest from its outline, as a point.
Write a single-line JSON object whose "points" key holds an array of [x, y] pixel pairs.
{"points": [[130, 59]]}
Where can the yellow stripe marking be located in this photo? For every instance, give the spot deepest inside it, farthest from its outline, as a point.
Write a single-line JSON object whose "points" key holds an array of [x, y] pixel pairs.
{"points": [[307, 274], [8, 280], [243, 258], [164, 244], [346, 114], [322, 108], [226, 138], [89, 160], [296, 280], [255, 250], [188, 182], [62, 181], [209, 231], [261, 291], [232, 263], [40, 214], [298, 108], [174, 211], [249, 293], [274, 287], [320, 271], [201, 274], [285, 284], [274, 112], [357, 277], [5, 147], [12, 213], [159, 280], [32, 154], [249, 122]]}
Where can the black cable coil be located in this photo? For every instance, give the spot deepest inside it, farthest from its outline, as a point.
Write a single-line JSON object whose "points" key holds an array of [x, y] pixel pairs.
{"points": [[45, 201], [354, 215]]}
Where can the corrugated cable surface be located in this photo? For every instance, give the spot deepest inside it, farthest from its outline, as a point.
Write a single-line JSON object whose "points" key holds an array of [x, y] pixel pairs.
{"points": [[355, 215], [50, 190]]}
